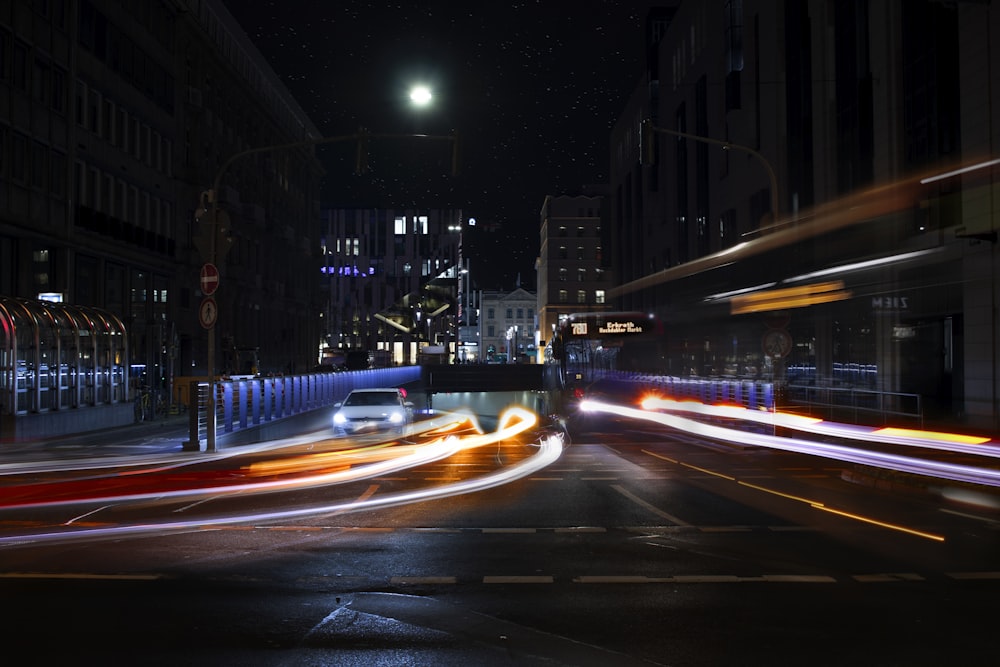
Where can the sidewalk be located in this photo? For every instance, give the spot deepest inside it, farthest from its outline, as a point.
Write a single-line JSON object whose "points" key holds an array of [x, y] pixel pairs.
{"points": [[160, 436]]}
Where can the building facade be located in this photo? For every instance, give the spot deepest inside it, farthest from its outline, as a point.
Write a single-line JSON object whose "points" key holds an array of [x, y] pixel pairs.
{"points": [[114, 120], [573, 270], [771, 144], [508, 326], [392, 281]]}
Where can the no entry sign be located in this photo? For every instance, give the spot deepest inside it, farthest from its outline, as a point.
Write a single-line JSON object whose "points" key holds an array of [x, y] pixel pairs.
{"points": [[209, 279]]}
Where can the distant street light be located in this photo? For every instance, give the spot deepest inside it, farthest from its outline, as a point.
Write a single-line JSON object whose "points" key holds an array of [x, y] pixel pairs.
{"points": [[420, 96]]}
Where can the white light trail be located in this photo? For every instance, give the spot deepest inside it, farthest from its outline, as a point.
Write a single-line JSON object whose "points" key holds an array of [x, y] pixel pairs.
{"points": [[929, 468], [949, 442]]}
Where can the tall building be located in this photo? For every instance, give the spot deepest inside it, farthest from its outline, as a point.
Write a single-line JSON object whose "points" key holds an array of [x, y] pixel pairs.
{"points": [[114, 120], [769, 144], [573, 271], [392, 281]]}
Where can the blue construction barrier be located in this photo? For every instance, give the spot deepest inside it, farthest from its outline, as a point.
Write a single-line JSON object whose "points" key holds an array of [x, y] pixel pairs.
{"points": [[245, 403]]}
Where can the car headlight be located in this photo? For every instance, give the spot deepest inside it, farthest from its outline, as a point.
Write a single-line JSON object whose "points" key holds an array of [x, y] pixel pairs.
{"points": [[395, 417], [338, 418]]}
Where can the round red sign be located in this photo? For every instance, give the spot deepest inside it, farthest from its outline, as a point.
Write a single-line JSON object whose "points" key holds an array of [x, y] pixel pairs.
{"points": [[209, 279]]}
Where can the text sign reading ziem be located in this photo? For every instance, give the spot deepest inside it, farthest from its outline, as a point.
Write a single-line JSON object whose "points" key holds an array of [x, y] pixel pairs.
{"points": [[209, 279]]}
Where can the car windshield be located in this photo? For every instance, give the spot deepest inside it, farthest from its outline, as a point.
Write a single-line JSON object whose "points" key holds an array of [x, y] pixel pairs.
{"points": [[372, 398]]}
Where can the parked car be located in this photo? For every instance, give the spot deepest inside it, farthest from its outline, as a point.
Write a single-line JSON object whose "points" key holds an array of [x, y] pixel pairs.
{"points": [[372, 410]]}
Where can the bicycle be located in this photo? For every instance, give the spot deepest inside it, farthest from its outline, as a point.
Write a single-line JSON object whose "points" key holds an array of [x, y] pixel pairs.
{"points": [[149, 404]]}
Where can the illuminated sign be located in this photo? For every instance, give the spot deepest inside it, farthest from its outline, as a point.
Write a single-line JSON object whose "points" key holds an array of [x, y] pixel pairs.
{"points": [[579, 328], [352, 271], [627, 327]]}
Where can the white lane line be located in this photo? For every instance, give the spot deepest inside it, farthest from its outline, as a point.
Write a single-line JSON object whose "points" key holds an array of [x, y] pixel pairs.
{"points": [[966, 515], [969, 576], [655, 510], [84, 516]]}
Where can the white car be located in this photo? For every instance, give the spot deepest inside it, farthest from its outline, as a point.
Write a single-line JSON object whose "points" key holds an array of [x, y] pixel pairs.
{"points": [[372, 410]]}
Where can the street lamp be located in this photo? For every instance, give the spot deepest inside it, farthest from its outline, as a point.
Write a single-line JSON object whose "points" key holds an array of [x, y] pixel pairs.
{"points": [[421, 95]]}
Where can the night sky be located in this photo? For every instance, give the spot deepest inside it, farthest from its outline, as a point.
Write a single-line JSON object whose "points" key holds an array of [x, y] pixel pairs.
{"points": [[532, 88]]}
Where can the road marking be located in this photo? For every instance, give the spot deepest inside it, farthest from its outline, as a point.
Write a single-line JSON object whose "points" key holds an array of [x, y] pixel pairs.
{"points": [[655, 510], [968, 576], [508, 530], [887, 576], [516, 579], [974, 517], [581, 529], [80, 575], [84, 516]]}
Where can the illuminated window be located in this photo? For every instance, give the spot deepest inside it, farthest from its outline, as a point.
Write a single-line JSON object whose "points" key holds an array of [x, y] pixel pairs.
{"points": [[563, 296], [599, 296], [420, 224], [581, 296]]}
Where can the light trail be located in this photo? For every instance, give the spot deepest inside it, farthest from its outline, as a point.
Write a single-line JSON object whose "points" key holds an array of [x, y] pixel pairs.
{"points": [[513, 422], [926, 467], [950, 442]]}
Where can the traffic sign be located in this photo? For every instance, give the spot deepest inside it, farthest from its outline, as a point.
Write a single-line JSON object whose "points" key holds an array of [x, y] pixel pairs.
{"points": [[209, 279], [208, 312]]}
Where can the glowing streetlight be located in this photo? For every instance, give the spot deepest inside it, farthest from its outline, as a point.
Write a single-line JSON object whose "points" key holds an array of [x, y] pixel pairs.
{"points": [[420, 96]]}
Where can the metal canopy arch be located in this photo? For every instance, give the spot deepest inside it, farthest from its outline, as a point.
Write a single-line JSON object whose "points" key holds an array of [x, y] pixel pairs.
{"points": [[56, 356]]}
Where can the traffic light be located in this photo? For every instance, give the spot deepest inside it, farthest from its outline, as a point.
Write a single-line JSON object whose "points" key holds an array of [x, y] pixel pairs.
{"points": [[207, 227], [647, 142]]}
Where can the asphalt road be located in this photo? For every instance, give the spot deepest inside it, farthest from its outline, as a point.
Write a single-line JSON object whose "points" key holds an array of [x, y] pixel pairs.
{"points": [[637, 546]]}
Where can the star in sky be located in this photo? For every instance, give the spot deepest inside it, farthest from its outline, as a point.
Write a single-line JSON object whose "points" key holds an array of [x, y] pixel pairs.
{"points": [[532, 88]]}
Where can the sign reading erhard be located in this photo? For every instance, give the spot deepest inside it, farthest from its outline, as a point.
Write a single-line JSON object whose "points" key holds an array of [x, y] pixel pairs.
{"points": [[209, 279]]}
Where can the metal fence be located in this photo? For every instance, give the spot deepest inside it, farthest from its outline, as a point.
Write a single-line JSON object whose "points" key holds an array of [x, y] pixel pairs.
{"points": [[242, 404], [855, 404]]}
